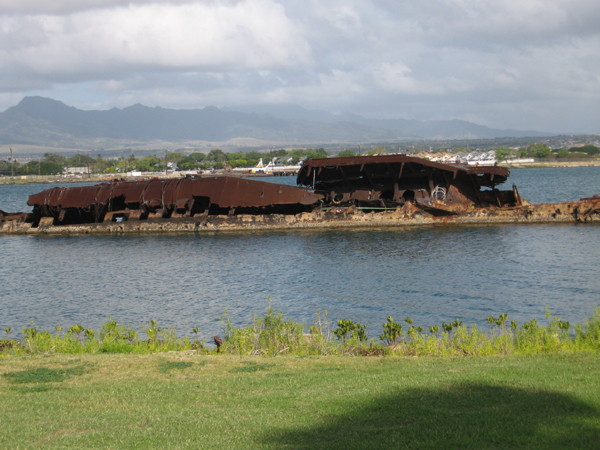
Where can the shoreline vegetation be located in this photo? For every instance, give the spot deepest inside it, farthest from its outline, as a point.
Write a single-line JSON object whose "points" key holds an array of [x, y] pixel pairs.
{"points": [[274, 335]]}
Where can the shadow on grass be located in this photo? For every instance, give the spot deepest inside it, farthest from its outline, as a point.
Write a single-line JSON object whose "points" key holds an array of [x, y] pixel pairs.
{"points": [[466, 416], [179, 365], [46, 375], [43, 379]]}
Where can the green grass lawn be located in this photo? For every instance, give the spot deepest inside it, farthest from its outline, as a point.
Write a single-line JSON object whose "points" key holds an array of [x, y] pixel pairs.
{"points": [[194, 401]]}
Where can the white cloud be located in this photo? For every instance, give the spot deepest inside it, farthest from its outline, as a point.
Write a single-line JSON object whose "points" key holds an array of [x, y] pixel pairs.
{"points": [[65, 7], [237, 36], [415, 59]]}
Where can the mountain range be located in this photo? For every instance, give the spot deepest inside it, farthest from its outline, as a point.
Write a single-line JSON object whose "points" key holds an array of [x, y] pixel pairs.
{"points": [[46, 122]]}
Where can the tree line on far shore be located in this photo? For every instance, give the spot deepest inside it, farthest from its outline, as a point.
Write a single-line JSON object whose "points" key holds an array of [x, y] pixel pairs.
{"points": [[542, 151], [55, 164]]}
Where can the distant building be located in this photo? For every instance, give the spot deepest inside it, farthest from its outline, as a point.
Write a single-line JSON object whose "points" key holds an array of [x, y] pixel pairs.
{"points": [[76, 171]]}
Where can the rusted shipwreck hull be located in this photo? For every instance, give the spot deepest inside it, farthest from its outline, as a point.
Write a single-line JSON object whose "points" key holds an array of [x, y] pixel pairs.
{"points": [[391, 181], [387, 190], [168, 199]]}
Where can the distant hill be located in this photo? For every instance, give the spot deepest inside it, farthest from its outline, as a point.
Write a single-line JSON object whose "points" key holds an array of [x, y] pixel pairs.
{"points": [[43, 121], [431, 129]]}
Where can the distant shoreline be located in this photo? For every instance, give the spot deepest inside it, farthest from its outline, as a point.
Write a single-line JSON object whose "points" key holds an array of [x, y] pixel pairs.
{"points": [[544, 164], [103, 178]]}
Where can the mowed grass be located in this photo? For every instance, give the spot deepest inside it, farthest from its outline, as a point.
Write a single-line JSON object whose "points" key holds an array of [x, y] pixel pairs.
{"points": [[187, 400]]}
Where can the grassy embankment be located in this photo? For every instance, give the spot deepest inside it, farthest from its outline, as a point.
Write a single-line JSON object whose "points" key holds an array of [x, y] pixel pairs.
{"points": [[538, 387], [190, 400]]}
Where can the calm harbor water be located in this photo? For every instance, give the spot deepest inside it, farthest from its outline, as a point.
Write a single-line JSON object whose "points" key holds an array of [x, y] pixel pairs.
{"points": [[432, 274]]}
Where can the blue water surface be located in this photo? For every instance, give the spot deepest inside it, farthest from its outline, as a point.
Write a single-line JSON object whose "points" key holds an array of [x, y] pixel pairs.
{"points": [[432, 274]]}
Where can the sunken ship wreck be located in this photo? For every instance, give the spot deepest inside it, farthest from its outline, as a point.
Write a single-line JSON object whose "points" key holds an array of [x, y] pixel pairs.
{"points": [[386, 190]]}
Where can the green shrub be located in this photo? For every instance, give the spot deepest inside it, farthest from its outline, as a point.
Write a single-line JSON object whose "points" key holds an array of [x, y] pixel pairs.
{"points": [[391, 332], [268, 335]]}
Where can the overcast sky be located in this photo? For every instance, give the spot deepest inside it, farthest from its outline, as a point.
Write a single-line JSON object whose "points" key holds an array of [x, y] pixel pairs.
{"points": [[523, 64]]}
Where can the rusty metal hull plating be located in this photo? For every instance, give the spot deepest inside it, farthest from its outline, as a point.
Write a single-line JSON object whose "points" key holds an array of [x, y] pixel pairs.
{"points": [[170, 199]]}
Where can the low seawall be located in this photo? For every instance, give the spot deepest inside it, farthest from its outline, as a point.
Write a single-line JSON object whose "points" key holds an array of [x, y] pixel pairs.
{"points": [[567, 212]]}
